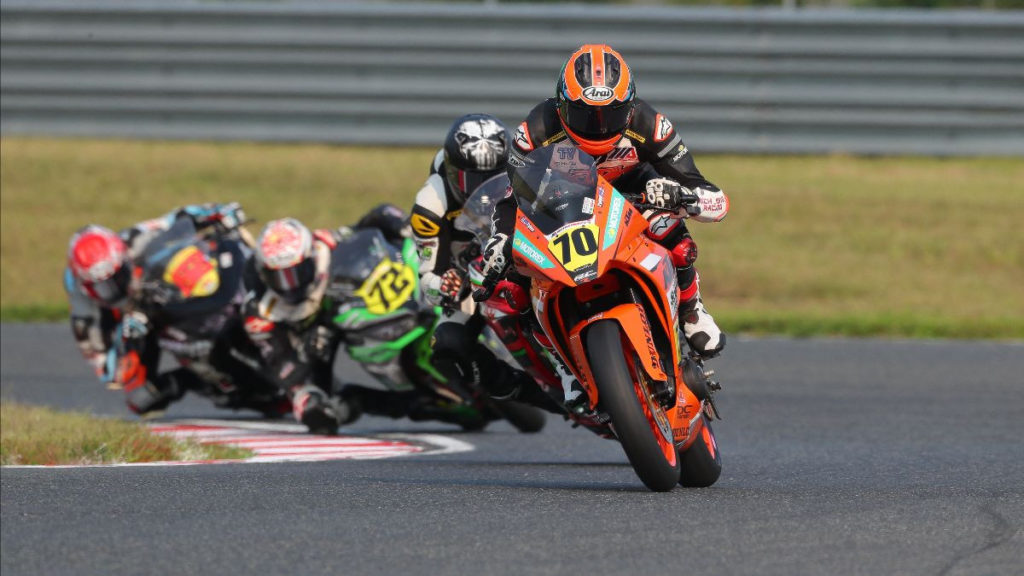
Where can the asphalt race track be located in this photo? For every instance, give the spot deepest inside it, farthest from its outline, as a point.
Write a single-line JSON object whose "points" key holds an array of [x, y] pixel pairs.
{"points": [[841, 457]]}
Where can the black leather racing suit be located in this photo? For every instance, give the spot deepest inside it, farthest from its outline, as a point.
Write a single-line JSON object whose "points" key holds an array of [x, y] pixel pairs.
{"points": [[649, 148]]}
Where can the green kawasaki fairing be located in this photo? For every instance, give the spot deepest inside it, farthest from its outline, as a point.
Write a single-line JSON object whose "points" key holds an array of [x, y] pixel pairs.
{"points": [[374, 296]]}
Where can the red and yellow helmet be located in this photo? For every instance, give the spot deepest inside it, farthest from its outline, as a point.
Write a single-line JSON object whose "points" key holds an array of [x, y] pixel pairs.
{"points": [[595, 95]]}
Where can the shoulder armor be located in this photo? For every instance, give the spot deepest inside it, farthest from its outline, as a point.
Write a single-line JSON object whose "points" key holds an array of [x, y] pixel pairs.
{"points": [[430, 208]]}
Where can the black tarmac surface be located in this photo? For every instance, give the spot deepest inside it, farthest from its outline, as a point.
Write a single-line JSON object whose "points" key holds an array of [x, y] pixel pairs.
{"points": [[841, 457]]}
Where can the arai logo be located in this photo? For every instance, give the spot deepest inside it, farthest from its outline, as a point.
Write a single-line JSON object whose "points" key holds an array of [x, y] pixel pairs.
{"points": [[598, 93]]}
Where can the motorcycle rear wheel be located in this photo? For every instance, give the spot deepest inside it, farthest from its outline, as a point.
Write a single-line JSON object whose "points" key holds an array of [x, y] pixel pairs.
{"points": [[701, 462], [618, 397]]}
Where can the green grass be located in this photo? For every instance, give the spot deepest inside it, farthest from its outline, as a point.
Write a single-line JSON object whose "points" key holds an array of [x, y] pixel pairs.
{"points": [[901, 246], [36, 435]]}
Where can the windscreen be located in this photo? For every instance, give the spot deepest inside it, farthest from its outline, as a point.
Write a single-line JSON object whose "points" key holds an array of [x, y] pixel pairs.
{"points": [[476, 214], [556, 186]]}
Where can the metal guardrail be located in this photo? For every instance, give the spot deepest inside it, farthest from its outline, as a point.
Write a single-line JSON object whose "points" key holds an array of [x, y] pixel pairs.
{"points": [[874, 82]]}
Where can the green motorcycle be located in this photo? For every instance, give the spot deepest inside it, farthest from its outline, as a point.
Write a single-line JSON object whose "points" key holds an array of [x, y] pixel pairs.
{"points": [[373, 290]]}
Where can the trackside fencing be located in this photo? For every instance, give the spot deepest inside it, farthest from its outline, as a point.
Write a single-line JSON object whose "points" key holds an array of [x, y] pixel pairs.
{"points": [[771, 80]]}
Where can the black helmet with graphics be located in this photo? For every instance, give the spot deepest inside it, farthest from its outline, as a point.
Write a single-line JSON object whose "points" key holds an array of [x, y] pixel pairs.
{"points": [[475, 149]]}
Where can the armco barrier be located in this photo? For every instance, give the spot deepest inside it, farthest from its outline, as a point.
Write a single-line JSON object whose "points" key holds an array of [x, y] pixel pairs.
{"points": [[874, 82]]}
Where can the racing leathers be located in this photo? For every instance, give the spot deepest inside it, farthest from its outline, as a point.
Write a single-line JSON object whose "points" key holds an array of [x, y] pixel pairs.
{"points": [[299, 341], [444, 254], [654, 169], [123, 341]]}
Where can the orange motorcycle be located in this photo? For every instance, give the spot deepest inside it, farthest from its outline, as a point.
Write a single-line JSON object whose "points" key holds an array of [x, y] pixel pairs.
{"points": [[606, 297]]}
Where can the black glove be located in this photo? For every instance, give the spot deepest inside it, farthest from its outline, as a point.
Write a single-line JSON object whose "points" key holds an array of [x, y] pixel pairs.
{"points": [[497, 259], [451, 288], [667, 194]]}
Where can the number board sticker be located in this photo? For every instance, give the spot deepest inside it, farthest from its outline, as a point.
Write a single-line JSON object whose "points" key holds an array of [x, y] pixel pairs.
{"points": [[575, 247], [193, 273], [389, 286]]}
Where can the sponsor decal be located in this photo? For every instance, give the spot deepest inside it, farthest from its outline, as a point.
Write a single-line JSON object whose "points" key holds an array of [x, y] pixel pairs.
{"points": [[588, 205], [611, 231], [634, 136], [623, 153], [662, 128], [556, 138], [523, 246], [661, 225], [257, 325], [453, 214], [598, 93], [566, 153], [515, 161], [522, 137], [424, 226], [712, 203], [618, 162], [585, 276], [526, 222], [682, 151], [193, 273], [652, 350]]}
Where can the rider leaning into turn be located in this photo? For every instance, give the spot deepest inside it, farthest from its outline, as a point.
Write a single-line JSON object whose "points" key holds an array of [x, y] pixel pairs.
{"points": [[112, 314], [474, 151], [595, 109], [287, 315]]}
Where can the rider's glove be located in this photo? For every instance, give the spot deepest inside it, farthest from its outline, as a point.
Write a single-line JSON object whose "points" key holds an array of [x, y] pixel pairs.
{"points": [[318, 343], [134, 326], [230, 216], [667, 194], [451, 288], [497, 258]]}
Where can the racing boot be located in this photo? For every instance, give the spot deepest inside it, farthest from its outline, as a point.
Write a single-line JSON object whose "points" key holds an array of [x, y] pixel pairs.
{"points": [[151, 399], [320, 413], [699, 328]]}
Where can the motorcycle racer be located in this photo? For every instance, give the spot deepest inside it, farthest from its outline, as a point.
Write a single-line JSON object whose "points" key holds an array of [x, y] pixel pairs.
{"points": [[121, 324], [596, 110], [475, 150], [299, 281]]}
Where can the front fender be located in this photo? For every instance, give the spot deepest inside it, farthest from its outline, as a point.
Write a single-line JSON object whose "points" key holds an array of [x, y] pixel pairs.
{"points": [[633, 322]]}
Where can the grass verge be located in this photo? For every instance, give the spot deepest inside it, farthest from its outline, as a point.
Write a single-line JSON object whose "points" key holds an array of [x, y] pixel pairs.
{"points": [[41, 436], [901, 246]]}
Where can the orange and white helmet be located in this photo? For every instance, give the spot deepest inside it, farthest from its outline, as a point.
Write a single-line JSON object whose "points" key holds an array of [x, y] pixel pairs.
{"points": [[595, 95], [285, 261]]}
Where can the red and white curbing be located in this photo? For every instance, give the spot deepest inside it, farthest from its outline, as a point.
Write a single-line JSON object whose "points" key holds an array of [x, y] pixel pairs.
{"points": [[291, 443]]}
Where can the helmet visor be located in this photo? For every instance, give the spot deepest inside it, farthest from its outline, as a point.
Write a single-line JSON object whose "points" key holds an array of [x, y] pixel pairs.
{"points": [[111, 290], [292, 284], [464, 182], [596, 122]]}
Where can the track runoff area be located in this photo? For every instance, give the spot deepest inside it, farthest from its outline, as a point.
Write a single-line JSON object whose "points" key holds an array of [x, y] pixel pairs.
{"points": [[276, 442]]}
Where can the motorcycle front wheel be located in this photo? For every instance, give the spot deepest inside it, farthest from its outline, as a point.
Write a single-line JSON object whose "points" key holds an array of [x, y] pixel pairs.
{"points": [[653, 457]]}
